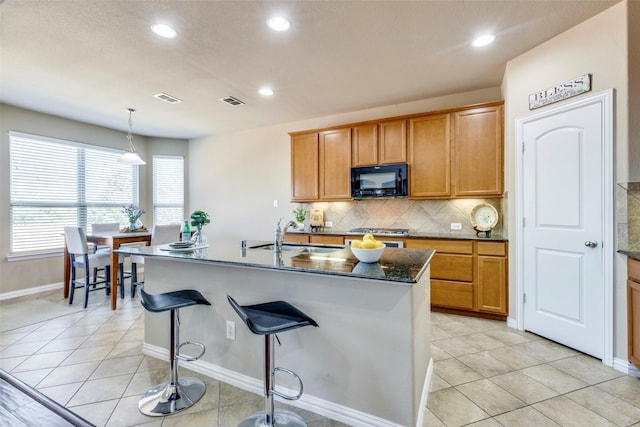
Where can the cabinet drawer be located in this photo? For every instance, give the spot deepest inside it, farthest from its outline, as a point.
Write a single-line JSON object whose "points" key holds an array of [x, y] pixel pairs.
{"points": [[329, 240], [492, 248], [446, 246], [633, 269], [452, 294], [295, 238], [452, 267]]}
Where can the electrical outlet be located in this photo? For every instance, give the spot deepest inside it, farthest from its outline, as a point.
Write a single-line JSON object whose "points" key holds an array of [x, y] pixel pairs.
{"points": [[275, 203], [328, 224], [456, 226], [231, 330]]}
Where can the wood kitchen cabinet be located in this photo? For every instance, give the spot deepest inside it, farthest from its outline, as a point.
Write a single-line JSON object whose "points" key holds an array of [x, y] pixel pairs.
{"points": [[477, 151], [335, 164], [321, 165], [379, 143], [633, 310], [304, 167], [429, 156], [467, 276]]}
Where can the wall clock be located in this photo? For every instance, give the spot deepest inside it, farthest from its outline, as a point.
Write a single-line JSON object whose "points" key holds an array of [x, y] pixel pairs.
{"points": [[484, 218]]}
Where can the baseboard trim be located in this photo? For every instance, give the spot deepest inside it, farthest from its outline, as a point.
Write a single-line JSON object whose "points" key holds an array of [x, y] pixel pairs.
{"points": [[625, 367], [322, 407], [30, 291]]}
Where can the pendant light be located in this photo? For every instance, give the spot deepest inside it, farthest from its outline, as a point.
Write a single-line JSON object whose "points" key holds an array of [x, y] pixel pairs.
{"points": [[130, 156]]}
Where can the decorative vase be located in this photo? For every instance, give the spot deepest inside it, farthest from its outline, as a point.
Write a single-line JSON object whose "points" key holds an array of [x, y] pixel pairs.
{"points": [[199, 238], [135, 225]]}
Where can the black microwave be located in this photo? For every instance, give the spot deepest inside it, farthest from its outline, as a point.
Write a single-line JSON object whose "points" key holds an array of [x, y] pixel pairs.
{"points": [[379, 181]]}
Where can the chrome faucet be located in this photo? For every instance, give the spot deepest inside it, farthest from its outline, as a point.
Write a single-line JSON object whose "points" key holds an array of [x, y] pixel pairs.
{"points": [[277, 246]]}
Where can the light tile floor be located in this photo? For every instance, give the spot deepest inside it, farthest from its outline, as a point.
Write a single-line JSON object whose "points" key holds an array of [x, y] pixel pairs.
{"points": [[485, 374]]}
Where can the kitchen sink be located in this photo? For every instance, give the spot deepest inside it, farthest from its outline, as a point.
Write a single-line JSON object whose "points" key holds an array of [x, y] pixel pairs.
{"points": [[299, 248]]}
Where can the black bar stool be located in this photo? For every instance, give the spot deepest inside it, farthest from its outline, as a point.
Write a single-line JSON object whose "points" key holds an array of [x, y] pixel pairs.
{"points": [[269, 319], [176, 394]]}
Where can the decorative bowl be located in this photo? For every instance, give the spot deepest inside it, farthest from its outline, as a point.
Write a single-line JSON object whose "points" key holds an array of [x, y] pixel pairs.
{"points": [[368, 255]]}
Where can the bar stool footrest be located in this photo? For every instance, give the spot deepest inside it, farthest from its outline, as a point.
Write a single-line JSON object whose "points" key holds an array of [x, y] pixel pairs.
{"points": [[282, 418], [294, 375], [190, 358], [166, 398]]}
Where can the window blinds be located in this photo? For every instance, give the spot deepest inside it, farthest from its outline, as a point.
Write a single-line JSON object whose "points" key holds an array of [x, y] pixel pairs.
{"points": [[168, 189], [56, 183]]}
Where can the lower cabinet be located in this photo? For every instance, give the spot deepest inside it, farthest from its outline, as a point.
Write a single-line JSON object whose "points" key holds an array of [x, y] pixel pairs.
{"points": [[633, 310], [467, 276]]}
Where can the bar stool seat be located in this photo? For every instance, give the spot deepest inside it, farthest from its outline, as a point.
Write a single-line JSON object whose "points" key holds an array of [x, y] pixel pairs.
{"points": [[269, 319], [176, 394]]}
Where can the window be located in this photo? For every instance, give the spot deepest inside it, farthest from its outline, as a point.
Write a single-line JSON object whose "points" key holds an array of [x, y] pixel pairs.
{"points": [[168, 189], [56, 183]]}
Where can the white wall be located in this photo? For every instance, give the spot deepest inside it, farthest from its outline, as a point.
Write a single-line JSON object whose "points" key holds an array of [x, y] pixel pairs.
{"points": [[597, 46], [20, 275], [236, 177]]}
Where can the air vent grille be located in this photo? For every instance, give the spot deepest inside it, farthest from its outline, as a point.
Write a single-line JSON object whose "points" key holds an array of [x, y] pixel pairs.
{"points": [[231, 100], [167, 98]]}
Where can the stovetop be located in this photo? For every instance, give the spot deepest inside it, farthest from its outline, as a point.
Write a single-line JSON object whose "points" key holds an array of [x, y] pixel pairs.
{"points": [[380, 231]]}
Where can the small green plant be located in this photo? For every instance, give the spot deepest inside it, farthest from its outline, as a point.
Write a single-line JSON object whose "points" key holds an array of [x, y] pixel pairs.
{"points": [[199, 219], [300, 214]]}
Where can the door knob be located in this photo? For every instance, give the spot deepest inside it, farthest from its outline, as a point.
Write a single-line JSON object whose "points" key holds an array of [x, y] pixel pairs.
{"points": [[591, 244]]}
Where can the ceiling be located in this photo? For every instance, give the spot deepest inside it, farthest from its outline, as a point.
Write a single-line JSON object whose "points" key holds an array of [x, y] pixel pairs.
{"points": [[91, 60]]}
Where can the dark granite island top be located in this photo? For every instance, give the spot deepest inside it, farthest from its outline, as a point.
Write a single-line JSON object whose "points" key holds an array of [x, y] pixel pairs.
{"points": [[404, 266], [369, 361]]}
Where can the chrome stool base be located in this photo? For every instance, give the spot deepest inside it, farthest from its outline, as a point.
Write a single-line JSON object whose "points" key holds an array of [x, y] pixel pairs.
{"points": [[167, 398], [281, 418]]}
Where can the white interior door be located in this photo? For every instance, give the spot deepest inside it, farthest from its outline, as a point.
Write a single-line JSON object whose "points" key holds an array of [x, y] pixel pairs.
{"points": [[563, 232]]}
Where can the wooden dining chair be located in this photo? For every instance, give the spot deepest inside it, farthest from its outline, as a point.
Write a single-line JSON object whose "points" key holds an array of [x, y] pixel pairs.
{"points": [[80, 257]]}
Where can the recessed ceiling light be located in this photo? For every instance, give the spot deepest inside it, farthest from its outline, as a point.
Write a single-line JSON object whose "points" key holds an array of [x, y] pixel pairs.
{"points": [[163, 30], [266, 91], [279, 23], [484, 40]]}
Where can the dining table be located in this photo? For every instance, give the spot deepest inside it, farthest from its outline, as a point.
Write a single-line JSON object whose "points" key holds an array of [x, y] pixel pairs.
{"points": [[113, 240]]}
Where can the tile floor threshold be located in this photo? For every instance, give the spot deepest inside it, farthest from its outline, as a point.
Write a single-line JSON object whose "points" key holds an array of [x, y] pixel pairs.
{"points": [[485, 374]]}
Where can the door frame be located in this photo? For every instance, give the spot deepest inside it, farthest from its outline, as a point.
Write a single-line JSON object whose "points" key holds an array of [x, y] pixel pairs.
{"points": [[605, 98]]}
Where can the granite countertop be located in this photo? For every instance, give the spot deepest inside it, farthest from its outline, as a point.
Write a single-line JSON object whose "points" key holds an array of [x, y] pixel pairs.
{"points": [[412, 235], [401, 266], [631, 254]]}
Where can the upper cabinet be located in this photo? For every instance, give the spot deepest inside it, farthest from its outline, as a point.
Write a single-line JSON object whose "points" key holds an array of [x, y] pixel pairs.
{"points": [[335, 164], [478, 149], [379, 143], [455, 153], [429, 156], [304, 167]]}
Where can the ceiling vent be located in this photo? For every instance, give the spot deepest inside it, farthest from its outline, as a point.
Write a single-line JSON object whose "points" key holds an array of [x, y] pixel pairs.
{"points": [[167, 98], [231, 100]]}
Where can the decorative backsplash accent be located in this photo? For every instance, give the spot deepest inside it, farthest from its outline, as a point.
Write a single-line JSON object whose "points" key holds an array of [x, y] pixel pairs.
{"points": [[628, 216], [419, 216]]}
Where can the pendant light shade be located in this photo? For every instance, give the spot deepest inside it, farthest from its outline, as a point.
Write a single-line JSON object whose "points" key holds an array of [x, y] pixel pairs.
{"points": [[130, 156]]}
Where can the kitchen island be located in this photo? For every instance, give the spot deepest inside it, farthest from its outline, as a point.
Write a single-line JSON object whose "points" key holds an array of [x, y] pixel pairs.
{"points": [[369, 362]]}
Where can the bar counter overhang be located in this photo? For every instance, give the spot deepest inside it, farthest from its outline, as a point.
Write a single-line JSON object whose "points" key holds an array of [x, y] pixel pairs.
{"points": [[369, 362]]}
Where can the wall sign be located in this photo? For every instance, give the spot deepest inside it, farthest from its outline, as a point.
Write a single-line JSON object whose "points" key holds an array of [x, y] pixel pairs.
{"points": [[559, 92]]}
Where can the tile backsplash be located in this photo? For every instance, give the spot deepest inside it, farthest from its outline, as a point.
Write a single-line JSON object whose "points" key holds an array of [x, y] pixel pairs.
{"points": [[628, 216], [423, 216]]}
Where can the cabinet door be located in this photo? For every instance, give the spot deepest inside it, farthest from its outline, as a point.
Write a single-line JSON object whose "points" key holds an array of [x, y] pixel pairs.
{"points": [[364, 145], [478, 152], [392, 142], [304, 167], [429, 157], [335, 164], [491, 285], [633, 300]]}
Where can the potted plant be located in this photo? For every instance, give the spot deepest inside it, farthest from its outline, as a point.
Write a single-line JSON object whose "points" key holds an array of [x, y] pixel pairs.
{"points": [[300, 214], [199, 219]]}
